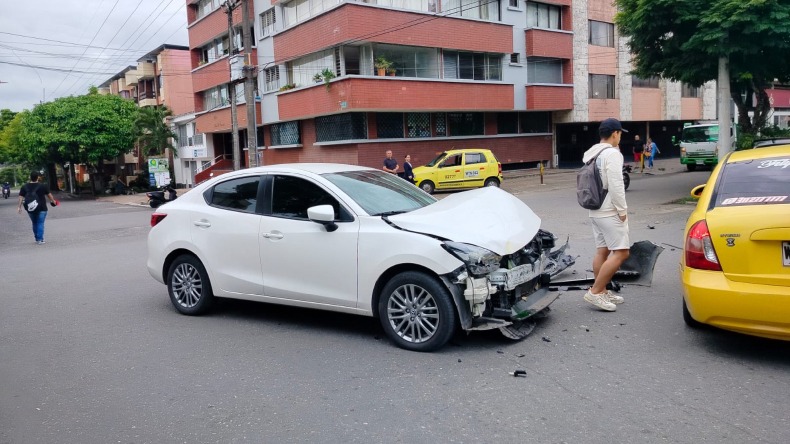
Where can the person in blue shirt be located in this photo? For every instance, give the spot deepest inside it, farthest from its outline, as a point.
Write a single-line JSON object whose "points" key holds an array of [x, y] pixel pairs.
{"points": [[390, 164], [651, 151]]}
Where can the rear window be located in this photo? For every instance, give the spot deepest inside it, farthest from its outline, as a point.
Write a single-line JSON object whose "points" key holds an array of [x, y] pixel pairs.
{"points": [[754, 182]]}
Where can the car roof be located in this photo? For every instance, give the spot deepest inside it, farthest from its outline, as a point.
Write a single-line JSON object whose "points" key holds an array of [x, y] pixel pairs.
{"points": [[762, 143], [315, 168], [762, 153], [462, 150]]}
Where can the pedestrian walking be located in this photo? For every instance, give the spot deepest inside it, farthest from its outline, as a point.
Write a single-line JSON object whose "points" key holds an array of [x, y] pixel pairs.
{"points": [[33, 197], [610, 222], [651, 149], [390, 164], [408, 171]]}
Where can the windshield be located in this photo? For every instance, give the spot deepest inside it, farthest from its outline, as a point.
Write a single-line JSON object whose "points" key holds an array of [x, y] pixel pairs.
{"points": [[697, 134], [380, 193], [436, 160], [754, 182]]}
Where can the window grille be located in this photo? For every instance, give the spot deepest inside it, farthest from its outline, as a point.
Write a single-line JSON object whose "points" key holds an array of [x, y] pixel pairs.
{"points": [[347, 126], [539, 122], [271, 78], [286, 133], [465, 124], [418, 125], [389, 125], [507, 123], [440, 121], [268, 19]]}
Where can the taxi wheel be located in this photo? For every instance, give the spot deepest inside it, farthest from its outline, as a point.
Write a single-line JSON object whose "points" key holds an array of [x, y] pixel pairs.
{"points": [[492, 182], [691, 322], [427, 186]]}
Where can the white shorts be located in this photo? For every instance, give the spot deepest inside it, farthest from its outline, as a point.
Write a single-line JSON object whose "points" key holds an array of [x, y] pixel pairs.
{"points": [[610, 232]]}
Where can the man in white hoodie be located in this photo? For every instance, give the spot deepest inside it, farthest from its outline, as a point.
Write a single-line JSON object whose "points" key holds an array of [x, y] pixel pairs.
{"points": [[610, 222]]}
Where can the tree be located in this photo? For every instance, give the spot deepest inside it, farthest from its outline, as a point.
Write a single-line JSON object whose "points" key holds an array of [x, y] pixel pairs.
{"points": [[10, 147], [86, 129], [682, 40], [153, 134], [6, 115]]}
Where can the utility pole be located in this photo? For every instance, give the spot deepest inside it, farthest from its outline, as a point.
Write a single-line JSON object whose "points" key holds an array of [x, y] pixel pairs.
{"points": [[725, 121], [249, 86], [229, 6]]}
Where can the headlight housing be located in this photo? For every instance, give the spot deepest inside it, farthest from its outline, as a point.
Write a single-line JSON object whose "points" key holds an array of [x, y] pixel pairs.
{"points": [[479, 261]]}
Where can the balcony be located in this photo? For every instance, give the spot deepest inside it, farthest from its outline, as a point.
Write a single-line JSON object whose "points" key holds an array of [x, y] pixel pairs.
{"points": [[145, 70], [549, 97], [194, 149], [393, 94], [549, 43], [131, 78]]}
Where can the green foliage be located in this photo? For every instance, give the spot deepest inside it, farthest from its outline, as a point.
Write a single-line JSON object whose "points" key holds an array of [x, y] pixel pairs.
{"points": [[11, 150], [151, 130], [84, 129], [682, 40], [6, 115]]}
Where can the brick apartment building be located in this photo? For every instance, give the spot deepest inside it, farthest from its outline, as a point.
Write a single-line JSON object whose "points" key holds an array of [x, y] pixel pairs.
{"points": [[528, 80]]}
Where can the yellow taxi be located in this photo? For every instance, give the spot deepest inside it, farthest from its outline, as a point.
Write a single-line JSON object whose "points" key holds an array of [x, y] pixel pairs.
{"points": [[735, 267], [459, 169]]}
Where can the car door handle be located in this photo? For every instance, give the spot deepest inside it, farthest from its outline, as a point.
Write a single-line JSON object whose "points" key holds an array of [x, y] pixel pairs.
{"points": [[272, 235], [202, 223]]}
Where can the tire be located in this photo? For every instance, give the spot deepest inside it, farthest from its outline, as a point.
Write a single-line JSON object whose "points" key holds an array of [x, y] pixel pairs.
{"points": [[427, 186], [491, 182], [691, 166], [626, 180], [154, 203], [430, 321], [691, 322], [189, 286]]}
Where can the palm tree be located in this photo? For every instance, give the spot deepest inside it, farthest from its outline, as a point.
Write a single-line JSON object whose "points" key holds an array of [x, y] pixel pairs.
{"points": [[153, 134]]}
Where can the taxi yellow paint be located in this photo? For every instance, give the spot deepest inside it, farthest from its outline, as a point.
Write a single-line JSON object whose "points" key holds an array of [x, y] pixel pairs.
{"points": [[459, 169], [750, 239]]}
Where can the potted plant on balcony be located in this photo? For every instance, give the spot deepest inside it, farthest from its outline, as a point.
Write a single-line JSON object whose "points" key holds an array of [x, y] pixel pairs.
{"points": [[287, 86], [382, 65], [317, 78], [328, 75], [391, 71]]}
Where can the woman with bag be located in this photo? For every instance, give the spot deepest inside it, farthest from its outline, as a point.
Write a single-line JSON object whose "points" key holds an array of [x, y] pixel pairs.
{"points": [[33, 196]]}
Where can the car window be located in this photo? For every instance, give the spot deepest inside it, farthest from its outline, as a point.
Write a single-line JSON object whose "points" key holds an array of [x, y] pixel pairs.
{"points": [[236, 194], [378, 192], [435, 160], [754, 182], [451, 161], [472, 158], [292, 196], [698, 134]]}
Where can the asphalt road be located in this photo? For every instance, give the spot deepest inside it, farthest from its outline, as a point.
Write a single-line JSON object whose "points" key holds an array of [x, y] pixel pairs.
{"points": [[91, 351]]}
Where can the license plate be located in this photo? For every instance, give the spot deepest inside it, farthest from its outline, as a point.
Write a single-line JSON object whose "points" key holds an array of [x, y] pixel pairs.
{"points": [[786, 253], [518, 275]]}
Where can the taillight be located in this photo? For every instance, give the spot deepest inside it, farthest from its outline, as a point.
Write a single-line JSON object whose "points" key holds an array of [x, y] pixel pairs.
{"points": [[156, 218], [499, 166], [699, 248]]}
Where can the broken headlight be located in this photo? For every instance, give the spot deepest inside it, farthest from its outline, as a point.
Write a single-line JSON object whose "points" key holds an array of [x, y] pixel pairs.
{"points": [[479, 261]]}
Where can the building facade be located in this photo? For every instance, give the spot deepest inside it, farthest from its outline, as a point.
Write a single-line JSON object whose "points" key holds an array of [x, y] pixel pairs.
{"points": [[346, 80]]}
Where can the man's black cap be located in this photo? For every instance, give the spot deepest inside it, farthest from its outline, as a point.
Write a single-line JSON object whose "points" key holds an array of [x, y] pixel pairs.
{"points": [[612, 125]]}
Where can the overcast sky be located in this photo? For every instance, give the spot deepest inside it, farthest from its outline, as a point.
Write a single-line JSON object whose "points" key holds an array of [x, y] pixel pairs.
{"points": [[56, 48]]}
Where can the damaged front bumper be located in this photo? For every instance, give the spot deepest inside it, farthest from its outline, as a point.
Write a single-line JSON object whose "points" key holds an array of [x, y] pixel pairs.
{"points": [[509, 298]]}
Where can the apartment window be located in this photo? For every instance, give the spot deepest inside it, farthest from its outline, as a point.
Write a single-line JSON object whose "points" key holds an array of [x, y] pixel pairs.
{"points": [[302, 70], [472, 65], [650, 82], [477, 9], [410, 61], [183, 140], [689, 91], [515, 58], [601, 86], [215, 97], [285, 133], [414, 5], [541, 15], [271, 78], [507, 123], [513, 3], [465, 124], [389, 125], [418, 125], [543, 70], [206, 7], [300, 10], [601, 34], [349, 126], [268, 19], [539, 122], [440, 122], [217, 48]]}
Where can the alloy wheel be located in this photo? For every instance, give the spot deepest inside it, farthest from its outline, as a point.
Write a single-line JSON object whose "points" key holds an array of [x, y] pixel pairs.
{"points": [[187, 285], [412, 313]]}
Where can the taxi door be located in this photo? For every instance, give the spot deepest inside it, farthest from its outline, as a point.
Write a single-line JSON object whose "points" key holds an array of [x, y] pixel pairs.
{"points": [[451, 172], [476, 169]]}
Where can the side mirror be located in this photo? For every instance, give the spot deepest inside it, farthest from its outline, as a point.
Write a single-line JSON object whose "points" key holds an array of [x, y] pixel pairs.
{"points": [[324, 215], [696, 192]]}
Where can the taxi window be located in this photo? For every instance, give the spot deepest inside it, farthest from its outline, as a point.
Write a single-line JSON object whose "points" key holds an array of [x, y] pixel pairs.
{"points": [[754, 182], [475, 158]]}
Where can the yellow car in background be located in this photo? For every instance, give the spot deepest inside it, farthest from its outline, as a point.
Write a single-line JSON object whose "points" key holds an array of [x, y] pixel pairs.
{"points": [[735, 267], [459, 169]]}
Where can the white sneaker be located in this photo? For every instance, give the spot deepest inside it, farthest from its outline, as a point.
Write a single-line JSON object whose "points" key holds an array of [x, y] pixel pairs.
{"points": [[614, 298], [600, 300]]}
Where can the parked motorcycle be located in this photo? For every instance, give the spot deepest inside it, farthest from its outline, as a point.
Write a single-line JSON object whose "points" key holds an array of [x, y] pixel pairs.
{"points": [[626, 177], [157, 198], [6, 192]]}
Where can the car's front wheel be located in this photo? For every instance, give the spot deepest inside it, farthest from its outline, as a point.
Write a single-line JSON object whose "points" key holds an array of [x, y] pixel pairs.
{"points": [[492, 182], [416, 312], [427, 186], [189, 286]]}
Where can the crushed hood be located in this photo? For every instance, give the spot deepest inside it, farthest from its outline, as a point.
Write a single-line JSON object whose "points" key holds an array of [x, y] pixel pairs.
{"points": [[487, 217]]}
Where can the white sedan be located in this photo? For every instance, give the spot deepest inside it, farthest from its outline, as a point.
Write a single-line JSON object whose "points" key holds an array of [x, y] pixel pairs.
{"points": [[357, 240]]}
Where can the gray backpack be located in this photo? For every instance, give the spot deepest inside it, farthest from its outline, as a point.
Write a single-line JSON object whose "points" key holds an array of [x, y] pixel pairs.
{"points": [[589, 187]]}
